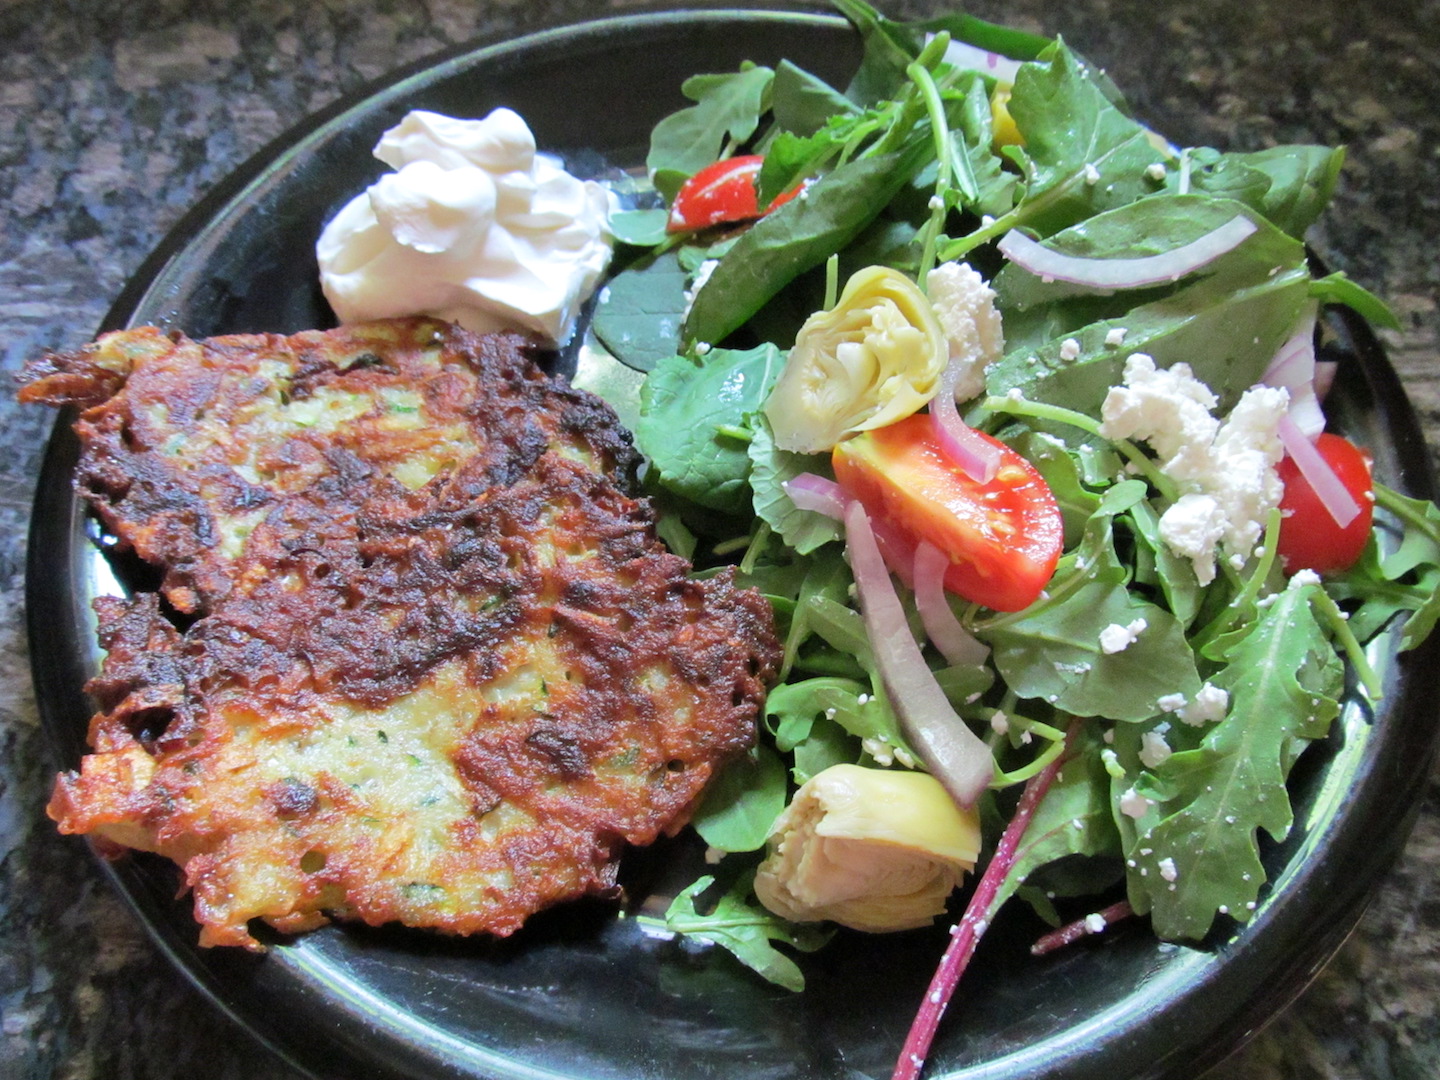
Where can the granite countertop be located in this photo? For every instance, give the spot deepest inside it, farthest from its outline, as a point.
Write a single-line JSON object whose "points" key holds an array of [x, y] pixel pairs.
{"points": [[115, 116]]}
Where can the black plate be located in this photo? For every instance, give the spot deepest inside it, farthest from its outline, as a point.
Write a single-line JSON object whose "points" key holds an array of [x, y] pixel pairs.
{"points": [[581, 993]]}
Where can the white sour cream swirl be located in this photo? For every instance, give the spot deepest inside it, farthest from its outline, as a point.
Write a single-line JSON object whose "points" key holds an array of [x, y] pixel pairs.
{"points": [[473, 226]]}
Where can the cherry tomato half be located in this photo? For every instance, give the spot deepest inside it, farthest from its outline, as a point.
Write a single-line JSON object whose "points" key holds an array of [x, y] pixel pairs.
{"points": [[722, 192], [1310, 539], [1003, 538]]}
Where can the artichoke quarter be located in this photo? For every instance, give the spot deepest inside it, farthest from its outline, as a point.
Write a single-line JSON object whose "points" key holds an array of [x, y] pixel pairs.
{"points": [[873, 358], [872, 849]]}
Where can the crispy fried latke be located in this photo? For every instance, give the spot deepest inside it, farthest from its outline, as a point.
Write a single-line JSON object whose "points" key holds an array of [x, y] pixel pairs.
{"points": [[440, 670]]}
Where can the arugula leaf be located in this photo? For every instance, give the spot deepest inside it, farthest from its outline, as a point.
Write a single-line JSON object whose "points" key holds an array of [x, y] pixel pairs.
{"points": [[746, 930], [1055, 654], [802, 233], [1175, 573], [1061, 474], [1284, 680], [727, 107], [741, 804], [1407, 579], [688, 411], [1074, 818]]}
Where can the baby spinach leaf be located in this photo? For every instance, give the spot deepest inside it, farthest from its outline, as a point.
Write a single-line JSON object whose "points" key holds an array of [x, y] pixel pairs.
{"points": [[741, 803], [639, 312], [727, 107], [771, 467], [802, 233], [1284, 681], [688, 411], [746, 930], [640, 228]]}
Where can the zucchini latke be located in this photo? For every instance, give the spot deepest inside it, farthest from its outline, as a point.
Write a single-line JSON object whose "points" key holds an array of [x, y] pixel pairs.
{"points": [[417, 654]]}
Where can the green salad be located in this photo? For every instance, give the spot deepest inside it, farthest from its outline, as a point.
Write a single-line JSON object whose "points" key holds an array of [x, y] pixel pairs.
{"points": [[1014, 411]]}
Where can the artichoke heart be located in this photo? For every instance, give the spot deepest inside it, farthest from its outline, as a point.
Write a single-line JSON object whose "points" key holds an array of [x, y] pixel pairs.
{"points": [[872, 359], [872, 849]]}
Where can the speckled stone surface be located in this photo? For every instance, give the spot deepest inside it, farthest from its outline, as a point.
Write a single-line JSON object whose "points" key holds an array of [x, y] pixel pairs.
{"points": [[115, 116]]}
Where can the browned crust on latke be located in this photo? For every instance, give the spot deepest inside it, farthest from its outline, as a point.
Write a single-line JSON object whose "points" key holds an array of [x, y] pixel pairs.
{"points": [[585, 685]]}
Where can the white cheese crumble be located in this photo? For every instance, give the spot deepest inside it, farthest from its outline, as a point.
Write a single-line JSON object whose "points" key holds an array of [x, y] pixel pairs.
{"points": [[1090, 173], [1209, 705], [1225, 471], [965, 306], [1154, 750], [1167, 869], [1155, 171], [1116, 638], [1170, 702], [1301, 578], [1135, 805], [999, 723], [1095, 923], [1115, 336], [1069, 349]]}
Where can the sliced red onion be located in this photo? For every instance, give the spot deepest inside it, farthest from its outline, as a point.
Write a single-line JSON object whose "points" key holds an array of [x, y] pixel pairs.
{"points": [[1169, 265], [1328, 487], [809, 491], [955, 755], [962, 444], [969, 58], [944, 630], [1294, 368]]}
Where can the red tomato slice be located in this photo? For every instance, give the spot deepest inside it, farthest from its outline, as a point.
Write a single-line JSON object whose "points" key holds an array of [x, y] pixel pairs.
{"points": [[1003, 538], [722, 192], [1310, 539]]}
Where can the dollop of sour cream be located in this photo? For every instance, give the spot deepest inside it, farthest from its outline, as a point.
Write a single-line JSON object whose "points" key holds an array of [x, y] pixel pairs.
{"points": [[473, 226]]}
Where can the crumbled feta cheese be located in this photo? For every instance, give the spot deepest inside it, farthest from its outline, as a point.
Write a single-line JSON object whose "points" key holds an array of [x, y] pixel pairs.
{"points": [[936, 202], [1116, 638], [1170, 702], [1167, 869], [1209, 705], [883, 754], [701, 348], [965, 306], [1226, 472], [999, 723], [1015, 394], [1090, 173], [1095, 923], [1154, 750], [1135, 805], [1069, 349], [1115, 336], [702, 275], [1301, 578], [1155, 171]]}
